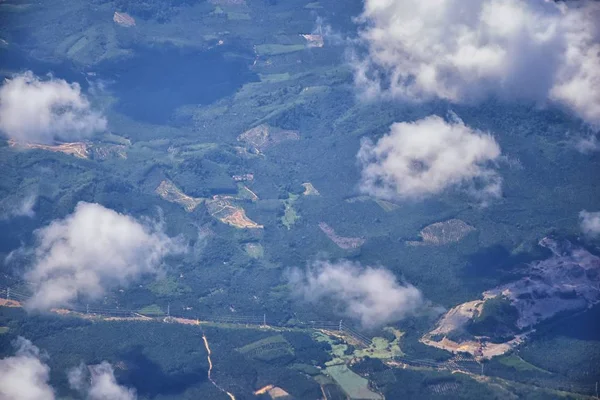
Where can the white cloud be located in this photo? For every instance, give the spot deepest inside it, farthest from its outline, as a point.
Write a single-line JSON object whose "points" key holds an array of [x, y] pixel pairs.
{"points": [[15, 207], [35, 110], [590, 223], [425, 157], [24, 376], [464, 50], [587, 144], [371, 295], [102, 385], [92, 250]]}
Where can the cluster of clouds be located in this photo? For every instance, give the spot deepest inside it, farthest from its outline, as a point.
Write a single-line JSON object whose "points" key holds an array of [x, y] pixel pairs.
{"points": [[370, 295], [425, 157], [25, 376], [92, 250], [99, 382], [590, 223], [44, 110], [533, 50]]}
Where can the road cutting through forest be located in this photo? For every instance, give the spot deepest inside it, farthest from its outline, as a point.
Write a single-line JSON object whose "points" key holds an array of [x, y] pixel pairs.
{"points": [[210, 366]]}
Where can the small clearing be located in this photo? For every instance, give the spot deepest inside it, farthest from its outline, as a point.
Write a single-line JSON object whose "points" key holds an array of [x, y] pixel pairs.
{"points": [[354, 385], [268, 349], [309, 190], [254, 250], [314, 40], [289, 216], [275, 49], [77, 149], [385, 205], [223, 209], [153, 310], [171, 193], [441, 233], [246, 194], [273, 391], [124, 19], [342, 242], [263, 136]]}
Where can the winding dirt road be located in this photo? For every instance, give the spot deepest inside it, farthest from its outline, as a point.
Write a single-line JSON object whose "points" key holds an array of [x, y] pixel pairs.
{"points": [[210, 366]]}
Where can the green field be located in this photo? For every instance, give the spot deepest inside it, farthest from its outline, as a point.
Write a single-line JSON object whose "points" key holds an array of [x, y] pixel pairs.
{"points": [[274, 49], [153, 310], [290, 216], [268, 349], [238, 16], [354, 385], [519, 364]]}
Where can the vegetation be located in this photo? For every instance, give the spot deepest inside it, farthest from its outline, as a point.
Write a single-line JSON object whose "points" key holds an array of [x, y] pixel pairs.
{"points": [[231, 74], [497, 320], [268, 349], [274, 49], [355, 386], [153, 310], [289, 215]]}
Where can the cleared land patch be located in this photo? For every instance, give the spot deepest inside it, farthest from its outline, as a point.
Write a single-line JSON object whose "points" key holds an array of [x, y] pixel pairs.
{"points": [[268, 349], [354, 385], [387, 206], [223, 209], [567, 282], [274, 77], [77, 149], [519, 364], [151, 310], [342, 242], [441, 233], [290, 216], [171, 193], [263, 136], [238, 16], [246, 194], [274, 49], [254, 250], [309, 190], [313, 5]]}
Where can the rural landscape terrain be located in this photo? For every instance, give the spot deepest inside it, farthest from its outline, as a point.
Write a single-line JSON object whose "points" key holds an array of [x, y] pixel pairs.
{"points": [[268, 199]]}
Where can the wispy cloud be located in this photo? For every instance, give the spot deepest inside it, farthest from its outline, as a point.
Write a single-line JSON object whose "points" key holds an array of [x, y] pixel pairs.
{"points": [[590, 223], [13, 206], [98, 382]]}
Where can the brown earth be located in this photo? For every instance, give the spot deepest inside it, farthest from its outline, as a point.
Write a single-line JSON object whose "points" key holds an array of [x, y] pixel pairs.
{"points": [[567, 282], [171, 193], [441, 233], [264, 136], [77, 149], [309, 190], [222, 208], [345, 243]]}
